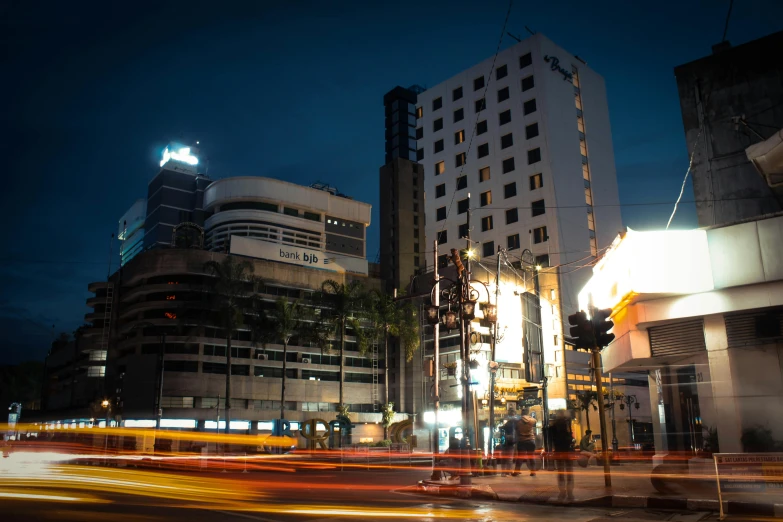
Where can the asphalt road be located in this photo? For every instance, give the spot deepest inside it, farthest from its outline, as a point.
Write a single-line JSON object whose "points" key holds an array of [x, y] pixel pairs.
{"points": [[86, 494]]}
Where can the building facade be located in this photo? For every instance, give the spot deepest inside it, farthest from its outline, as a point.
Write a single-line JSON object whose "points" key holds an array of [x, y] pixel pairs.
{"points": [[700, 311], [730, 101]]}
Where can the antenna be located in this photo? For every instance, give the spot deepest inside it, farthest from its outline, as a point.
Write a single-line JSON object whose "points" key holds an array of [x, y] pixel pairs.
{"points": [[517, 38], [529, 30]]}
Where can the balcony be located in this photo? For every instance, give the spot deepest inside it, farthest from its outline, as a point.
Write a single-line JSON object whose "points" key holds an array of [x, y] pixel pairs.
{"points": [[92, 302]]}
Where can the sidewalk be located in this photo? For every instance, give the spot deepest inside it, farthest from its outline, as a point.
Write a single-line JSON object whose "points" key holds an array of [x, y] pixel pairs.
{"points": [[631, 488]]}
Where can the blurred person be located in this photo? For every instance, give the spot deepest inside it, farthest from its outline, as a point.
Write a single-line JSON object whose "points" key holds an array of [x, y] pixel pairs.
{"points": [[509, 429], [563, 442], [526, 443]]}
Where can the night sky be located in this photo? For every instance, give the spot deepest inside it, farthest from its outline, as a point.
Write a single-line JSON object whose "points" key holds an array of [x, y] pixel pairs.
{"points": [[288, 90]]}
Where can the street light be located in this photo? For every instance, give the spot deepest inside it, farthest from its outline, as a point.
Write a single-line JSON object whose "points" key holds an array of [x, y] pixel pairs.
{"points": [[630, 400]]}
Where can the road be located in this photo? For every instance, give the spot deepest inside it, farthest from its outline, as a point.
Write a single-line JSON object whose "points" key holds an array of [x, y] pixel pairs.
{"points": [[64, 492]]}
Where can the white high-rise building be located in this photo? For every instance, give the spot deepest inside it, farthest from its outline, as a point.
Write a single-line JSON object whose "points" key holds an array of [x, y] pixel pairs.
{"points": [[539, 173]]}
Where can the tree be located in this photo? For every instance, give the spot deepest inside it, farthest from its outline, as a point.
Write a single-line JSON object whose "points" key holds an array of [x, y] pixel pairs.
{"points": [[231, 288], [344, 302], [280, 323], [389, 318], [584, 401]]}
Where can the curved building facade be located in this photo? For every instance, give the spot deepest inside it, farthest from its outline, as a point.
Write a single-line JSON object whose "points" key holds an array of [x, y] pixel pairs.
{"points": [[280, 212]]}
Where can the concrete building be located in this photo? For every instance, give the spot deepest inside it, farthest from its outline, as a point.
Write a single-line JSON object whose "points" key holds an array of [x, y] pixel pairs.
{"points": [[730, 101], [525, 150], [701, 312]]}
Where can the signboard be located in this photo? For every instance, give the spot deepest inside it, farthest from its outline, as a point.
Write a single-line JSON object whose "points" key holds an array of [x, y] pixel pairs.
{"points": [[529, 402], [297, 255], [749, 472]]}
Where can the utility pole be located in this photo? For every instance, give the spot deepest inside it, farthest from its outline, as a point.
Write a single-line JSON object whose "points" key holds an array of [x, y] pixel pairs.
{"points": [[436, 473], [467, 476], [598, 369], [615, 443], [492, 359]]}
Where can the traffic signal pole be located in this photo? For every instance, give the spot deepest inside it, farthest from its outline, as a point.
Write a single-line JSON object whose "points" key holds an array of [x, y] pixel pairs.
{"points": [[598, 370]]}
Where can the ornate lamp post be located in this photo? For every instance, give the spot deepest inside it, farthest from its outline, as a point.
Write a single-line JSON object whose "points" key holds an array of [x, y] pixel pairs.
{"points": [[461, 295], [630, 400]]}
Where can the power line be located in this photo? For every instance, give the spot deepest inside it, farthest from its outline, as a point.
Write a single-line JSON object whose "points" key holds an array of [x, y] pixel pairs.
{"points": [[478, 113]]}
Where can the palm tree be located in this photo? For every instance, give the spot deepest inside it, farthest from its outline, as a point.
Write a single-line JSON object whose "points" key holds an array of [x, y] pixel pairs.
{"points": [[282, 322], [344, 302], [389, 318], [232, 286], [584, 401]]}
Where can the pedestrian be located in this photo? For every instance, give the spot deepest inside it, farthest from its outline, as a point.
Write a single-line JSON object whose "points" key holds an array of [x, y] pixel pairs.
{"points": [[526, 443], [563, 442], [586, 449], [509, 429]]}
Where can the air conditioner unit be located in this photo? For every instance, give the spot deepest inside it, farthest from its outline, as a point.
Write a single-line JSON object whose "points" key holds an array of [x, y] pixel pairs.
{"points": [[305, 360], [262, 356]]}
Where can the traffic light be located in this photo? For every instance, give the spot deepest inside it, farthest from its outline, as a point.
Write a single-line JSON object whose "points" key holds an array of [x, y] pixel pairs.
{"points": [[581, 331], [457, 261], [601, 326]]}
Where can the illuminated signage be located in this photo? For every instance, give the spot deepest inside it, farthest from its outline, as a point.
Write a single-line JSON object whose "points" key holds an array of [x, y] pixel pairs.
{"points": [[296, 255], [181, 155], [554, 64]]}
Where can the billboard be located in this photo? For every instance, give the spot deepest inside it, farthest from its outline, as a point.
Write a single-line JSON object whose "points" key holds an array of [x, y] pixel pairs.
{"points": [[297, 255]]}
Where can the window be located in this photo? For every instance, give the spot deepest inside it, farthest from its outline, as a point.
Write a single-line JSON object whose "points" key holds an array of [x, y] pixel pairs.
{"points": [[529, 107], [440, 168], [312, 216], [531, 131], [443, 237], [478, 83], [488, 249], [539, 235], [462, 182], [460, 159], [419, 112], [459, 137], [505, 117], [419, 133], [501, 72], [510, 190], [527, 83], [543, 259], [486, 223], [483, 150], [536, 181], [525, 60], [462, 206], [486, 198], [481, 104], [183, 366], [437, 103], [512, 242], [484, 174], [538, 207], [512, 216], [456, 94], [419, 154], [438, 146], [533, 156], [176, 402], [459, 115], [290, 211], [440, 214], [503, 94], [416, 219], [218, 368], [240, 369], [463, 231], [506, 141], [481, 127], [438, 124], [508, 165], [100, 371], [440, 191]]}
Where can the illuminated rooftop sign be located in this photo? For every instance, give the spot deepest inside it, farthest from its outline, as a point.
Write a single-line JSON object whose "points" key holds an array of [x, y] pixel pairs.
{"points": [[181, 154]]}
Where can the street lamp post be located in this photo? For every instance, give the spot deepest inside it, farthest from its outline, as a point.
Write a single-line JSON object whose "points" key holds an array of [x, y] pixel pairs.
{"points": [[461, 294], [107, 405], [630, 400]]}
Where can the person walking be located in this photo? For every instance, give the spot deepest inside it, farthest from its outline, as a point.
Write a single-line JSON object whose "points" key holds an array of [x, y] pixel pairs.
{"points": [[509, 443], [563, 442], [526, 443]]}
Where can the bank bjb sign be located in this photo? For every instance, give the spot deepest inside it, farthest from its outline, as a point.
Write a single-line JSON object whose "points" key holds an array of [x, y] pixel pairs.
{"points": [[296, 255]]}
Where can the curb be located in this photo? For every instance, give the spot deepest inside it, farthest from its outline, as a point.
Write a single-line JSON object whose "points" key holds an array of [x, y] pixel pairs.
{"points": [[485, 492]]}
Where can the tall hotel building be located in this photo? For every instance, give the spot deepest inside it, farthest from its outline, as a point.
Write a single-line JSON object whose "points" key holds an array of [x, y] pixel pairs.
{"points": [[528, 149]]}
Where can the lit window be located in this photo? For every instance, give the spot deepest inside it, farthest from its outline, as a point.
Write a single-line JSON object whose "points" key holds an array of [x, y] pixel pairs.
{"points": [[486, 198], [484, 174], [486, 223], [539, 235], [459, 137], [419, 112], [440, 168], [536, 181], [460, 159]]}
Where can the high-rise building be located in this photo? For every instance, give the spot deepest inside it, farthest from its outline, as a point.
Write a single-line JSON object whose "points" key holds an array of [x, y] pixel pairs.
{"points": [[730, 101], [526, 147], [402, 248]]}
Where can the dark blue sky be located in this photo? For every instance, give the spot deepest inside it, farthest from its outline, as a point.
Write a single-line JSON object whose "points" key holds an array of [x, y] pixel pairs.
{"points": [[289, 90]]}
